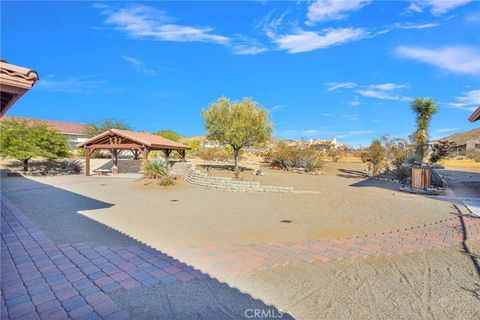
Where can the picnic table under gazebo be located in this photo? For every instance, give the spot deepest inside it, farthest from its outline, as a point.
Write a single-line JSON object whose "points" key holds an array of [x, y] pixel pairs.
{"points": [[117, 141]]}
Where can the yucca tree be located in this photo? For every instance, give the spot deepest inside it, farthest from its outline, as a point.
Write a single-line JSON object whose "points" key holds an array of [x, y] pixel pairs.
{"points": [[425, 108]]}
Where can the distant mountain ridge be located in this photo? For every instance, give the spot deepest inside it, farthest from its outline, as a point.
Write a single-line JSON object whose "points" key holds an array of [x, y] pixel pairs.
{"points": [[463, 137]]}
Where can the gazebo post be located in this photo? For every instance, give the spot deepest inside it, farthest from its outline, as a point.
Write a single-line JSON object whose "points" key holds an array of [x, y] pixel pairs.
{"points": [[114, 153], [145, 154], [87, 161], [182, 154], [167, 153]]}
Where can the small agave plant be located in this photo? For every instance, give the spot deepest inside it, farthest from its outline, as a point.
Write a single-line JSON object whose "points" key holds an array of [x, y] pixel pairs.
{"points": [[158, 169]]}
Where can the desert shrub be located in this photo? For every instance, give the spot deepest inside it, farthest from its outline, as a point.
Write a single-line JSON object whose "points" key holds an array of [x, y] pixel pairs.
{"points": [[375, 156], [74, 165], [158, 169], [364, 155], [267, 155], [288, 157], [335, 154], [441, 150], [397, 151], [216, 154], [166, 181], [474, 155]]}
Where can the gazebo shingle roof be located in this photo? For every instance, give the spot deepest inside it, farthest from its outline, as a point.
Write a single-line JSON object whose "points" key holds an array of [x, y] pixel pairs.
{"points": [[147, 139]]}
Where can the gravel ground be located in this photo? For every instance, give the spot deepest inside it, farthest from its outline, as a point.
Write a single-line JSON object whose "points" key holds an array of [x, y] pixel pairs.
{"points": [[439, 284]]}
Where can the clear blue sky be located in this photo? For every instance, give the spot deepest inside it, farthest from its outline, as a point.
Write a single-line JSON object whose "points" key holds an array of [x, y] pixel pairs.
{"points": [[323, 68]]}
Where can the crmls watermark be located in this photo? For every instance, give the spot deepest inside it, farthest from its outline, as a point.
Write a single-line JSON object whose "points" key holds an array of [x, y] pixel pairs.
{"points": [[263, 314]]}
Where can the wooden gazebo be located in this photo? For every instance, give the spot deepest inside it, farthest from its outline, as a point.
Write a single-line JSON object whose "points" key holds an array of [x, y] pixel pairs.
{"points": [[117, 141]]}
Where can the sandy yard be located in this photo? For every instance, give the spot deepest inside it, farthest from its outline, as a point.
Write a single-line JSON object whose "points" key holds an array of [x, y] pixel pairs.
{"points": [[185, 216]]}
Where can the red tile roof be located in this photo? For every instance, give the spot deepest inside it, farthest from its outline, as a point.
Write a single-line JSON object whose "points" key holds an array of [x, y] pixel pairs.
{"points": [[147, 139], [61, 126], [14, 82], [475, 115]]}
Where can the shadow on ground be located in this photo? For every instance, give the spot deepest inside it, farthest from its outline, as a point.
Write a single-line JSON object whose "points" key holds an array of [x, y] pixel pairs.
{"points": [[351, 174], [56, 213]]}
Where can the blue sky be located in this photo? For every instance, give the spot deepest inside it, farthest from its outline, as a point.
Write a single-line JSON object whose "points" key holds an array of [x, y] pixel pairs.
{"points": [[347, 69]]}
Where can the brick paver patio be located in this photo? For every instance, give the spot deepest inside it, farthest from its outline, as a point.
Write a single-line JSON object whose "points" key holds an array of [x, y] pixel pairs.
{"points": [[244, 258], [41, 280]]}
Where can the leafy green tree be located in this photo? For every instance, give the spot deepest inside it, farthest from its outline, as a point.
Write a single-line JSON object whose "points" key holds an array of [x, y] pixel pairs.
{"points": [[23, 141], [425, 108], [194, 145], [238, 124], [106, 124], [169, 134]]}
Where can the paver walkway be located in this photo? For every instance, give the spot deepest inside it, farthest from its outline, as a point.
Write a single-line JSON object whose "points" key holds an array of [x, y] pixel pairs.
{"points": [[244, 258], [70, 281]]}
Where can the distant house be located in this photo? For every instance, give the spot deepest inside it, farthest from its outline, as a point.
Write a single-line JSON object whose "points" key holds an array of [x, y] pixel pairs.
{"points": [[325, 144], [75, 132], [475, 115], [14, 82], [466, 141], [318, 144]]}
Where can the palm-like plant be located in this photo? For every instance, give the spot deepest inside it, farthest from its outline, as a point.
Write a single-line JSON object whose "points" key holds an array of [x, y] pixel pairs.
{"points": [[155, 169], [425, 108]]}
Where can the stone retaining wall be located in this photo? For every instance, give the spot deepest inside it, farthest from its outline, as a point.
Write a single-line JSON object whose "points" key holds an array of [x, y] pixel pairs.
{"points": [[202, 180]]}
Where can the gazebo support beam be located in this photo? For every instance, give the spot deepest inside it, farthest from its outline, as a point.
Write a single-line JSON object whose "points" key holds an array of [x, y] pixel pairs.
{"points": [[182, 154], [88, 153], [167, 153], [115, 146], [87, 161], [136, 153]]}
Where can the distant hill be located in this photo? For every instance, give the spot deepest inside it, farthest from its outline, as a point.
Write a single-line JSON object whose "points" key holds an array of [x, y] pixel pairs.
{"points": [[463, 137], [203, 139]]}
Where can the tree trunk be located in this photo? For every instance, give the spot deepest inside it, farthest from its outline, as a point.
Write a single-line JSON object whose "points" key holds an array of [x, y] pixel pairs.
{"points": [[25, 165], [421, 150], [235, 158]]}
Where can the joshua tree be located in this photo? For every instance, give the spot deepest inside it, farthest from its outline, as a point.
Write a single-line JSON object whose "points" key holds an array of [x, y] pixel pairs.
{"points": [[424, 108]]}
